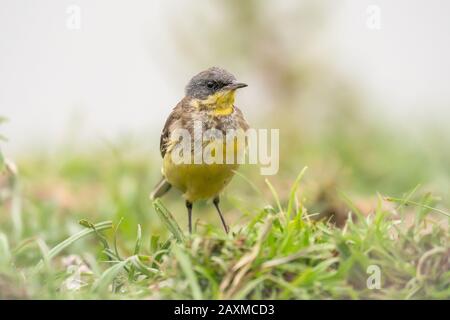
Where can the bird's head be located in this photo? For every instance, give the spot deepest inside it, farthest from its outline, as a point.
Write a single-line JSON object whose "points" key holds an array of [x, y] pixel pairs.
{"points": [[214, 89]]}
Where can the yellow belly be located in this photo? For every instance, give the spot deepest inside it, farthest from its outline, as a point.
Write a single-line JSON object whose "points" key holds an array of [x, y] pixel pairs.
{"points": [[198, 181]]}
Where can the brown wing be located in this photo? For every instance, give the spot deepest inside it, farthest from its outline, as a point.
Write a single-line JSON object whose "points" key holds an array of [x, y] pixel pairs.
{"points": [[171, 122], [243, 124]]}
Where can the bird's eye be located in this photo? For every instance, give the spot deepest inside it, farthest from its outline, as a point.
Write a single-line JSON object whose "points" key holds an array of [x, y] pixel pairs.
{"points": [[210, 84]]}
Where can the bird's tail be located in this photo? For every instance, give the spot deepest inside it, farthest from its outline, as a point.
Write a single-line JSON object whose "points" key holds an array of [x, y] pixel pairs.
{"points": [[160, 189]]}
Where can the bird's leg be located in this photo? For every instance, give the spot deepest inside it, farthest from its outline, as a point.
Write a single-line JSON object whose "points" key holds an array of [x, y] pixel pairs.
{"points": [[189, 208], [216, 204]]}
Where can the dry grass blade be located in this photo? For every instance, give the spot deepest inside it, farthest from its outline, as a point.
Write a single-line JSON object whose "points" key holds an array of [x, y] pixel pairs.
{"points": [[279, 261], [414, 203], [240, 269], [186, 267]]}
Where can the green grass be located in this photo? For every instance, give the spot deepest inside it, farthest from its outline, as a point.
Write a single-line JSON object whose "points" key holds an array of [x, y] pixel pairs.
{"points": [[281, 252], [78, 224]]}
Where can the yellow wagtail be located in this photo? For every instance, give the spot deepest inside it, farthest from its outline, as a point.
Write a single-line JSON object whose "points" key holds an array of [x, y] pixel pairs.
{"points": [[209, 101]]}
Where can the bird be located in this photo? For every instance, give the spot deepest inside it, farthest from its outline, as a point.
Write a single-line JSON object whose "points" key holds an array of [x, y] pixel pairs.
{"points": [[208, 101]]}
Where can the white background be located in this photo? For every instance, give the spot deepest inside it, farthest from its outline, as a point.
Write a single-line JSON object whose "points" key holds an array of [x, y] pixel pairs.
{"points": [[115, 75]]}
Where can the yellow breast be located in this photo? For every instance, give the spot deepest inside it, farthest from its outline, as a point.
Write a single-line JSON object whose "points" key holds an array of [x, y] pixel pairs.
{"points": [[198, 181], [203, 181]]}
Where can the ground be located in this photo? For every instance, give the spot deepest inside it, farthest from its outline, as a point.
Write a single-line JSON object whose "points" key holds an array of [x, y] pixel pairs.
{"points": [[355, 224]]}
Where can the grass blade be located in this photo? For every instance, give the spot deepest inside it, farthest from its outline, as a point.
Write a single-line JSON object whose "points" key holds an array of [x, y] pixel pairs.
{"points": [[116, 229], [137, 247], [417, 204], [275, 195], [168, 220], [186, 267], [294, 191], [109, 275], [77, 236], [141, 267]]}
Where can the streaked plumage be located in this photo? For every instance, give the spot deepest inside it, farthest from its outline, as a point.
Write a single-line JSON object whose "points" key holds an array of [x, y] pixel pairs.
{"points": [[209, 100]]}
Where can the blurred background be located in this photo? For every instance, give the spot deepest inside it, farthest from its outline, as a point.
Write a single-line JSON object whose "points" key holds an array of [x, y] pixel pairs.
{"points": [[359, 89], [126, 65]]}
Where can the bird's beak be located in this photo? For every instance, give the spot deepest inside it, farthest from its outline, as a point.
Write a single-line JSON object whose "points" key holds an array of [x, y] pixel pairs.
{"points": [[235, 85]]}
